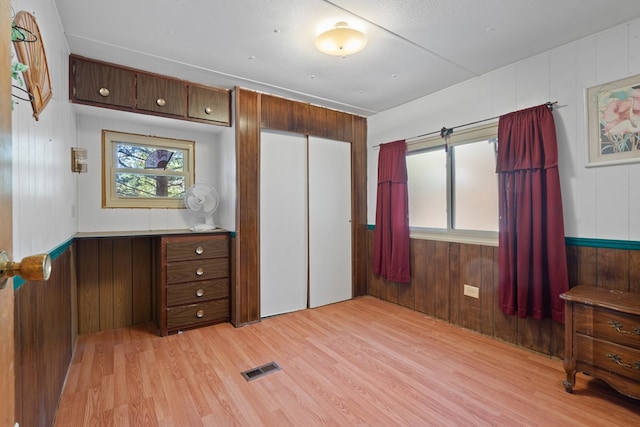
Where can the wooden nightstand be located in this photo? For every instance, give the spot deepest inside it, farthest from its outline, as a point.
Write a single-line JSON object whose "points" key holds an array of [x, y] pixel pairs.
{"points": [[602, 337]]}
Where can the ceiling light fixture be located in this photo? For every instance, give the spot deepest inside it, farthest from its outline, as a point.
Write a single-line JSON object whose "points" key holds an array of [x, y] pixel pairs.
{"points": [[341, 40]]}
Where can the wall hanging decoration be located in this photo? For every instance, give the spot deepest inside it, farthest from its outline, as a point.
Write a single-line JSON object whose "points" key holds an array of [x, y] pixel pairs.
{"points": [[613, 117], [17, 90], [30, 50]]}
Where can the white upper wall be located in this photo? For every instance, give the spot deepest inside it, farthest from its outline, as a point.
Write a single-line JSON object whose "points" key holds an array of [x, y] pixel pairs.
{"points": [[51, 203], [599, 202], [212, 150], [44, 188], [225, 176]]}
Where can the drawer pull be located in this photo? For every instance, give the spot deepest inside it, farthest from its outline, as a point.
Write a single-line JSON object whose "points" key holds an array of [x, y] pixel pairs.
{"points": [[207, 110], [199, 271], [200, 314], [161, 102], [618, 327], [618, 360], [104, 92], [199, 250], [199, 292]]}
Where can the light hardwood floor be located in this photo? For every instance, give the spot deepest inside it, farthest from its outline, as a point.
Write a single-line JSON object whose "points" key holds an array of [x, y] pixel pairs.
{"points": [[362, 362]]}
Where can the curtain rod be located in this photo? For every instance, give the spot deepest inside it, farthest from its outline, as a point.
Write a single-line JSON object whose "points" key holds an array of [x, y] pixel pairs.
{"points": [[447, 131]]}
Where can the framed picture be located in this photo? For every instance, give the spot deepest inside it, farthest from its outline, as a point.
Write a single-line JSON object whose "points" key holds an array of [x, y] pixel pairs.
{"points": [[613, 117]]}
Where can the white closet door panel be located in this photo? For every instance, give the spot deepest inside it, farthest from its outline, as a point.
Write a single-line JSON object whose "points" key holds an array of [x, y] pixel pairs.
{"points": [[329, 221], [283, 223]]}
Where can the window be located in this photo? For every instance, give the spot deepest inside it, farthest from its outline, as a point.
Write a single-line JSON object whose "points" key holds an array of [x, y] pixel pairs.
{"points": [[145, 171], [427, 187], [454, 192]]}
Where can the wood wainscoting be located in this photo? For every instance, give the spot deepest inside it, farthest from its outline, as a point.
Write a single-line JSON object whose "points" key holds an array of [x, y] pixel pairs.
{"points": [[440, 270], [44, 339], [603, 267], [114, 282]]}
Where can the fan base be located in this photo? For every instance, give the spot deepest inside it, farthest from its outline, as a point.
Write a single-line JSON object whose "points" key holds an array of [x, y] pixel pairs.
{"points": [[203, 227]]}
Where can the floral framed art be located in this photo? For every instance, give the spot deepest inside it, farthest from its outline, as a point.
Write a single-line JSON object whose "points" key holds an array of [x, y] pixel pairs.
{"points": [[613, 116]]}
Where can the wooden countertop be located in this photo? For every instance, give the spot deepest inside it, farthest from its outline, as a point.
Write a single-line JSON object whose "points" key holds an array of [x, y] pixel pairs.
{"points": [[143, 233]]}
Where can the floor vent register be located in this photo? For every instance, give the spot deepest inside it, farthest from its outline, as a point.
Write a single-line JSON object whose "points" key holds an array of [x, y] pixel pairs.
{"points": [[260, 371]]}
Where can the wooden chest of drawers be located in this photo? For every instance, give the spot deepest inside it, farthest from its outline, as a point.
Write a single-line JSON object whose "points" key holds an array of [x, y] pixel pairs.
{"points": [[602, 337], [194, 281]]}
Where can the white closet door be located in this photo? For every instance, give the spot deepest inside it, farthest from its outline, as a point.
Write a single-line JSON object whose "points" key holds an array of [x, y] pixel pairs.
{"points": [[329, 221], [283, 223]]}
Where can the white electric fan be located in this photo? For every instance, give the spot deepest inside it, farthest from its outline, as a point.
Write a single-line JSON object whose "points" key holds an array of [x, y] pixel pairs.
{"points": [[202, 200]]}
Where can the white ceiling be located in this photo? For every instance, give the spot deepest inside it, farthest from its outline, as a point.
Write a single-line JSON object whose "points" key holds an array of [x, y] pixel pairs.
{"points": [[415, 47]]}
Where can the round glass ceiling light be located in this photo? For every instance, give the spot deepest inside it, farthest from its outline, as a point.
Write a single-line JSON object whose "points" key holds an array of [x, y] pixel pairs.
{"points": [[341, 40]]}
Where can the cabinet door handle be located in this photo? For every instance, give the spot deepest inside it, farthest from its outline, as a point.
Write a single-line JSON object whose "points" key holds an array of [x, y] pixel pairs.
{"points": [[199, 271], [207, 110], [161, 102], [199, 250], [200, 314], [103, 91], [199, 292]]}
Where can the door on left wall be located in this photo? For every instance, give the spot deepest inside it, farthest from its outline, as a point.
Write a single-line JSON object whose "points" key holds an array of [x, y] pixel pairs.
{"points": [[7, 375]]}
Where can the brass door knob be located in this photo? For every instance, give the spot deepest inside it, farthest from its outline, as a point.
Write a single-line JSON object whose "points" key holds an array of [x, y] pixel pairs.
{"points": [[35, 267]]}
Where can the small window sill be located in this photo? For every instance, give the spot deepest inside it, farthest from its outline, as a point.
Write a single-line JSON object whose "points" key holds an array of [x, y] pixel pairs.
{"points": [[474, 238]]}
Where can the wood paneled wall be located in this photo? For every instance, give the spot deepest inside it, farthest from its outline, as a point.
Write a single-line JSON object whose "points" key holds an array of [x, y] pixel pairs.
{"points": [[114, 282], [44, 342], [245, 289], [440, 270], [254, 112], [617, 269]]}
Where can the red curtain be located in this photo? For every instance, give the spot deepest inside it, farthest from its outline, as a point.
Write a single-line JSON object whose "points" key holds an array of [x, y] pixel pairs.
{"points": [[391, 239], [532, 252]]}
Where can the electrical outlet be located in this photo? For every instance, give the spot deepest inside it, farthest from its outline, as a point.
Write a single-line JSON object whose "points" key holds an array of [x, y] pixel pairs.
{"points": [[472, 291]]}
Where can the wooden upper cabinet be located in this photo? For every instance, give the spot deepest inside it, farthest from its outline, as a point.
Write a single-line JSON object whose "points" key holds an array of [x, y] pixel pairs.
{"points": [[99, 83], [102, 84], [211, 104], [161, 95]]}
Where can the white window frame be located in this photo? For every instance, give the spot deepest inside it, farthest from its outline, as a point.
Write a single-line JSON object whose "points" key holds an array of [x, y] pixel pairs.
{"points": [[110, 140], [458, 137]]}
